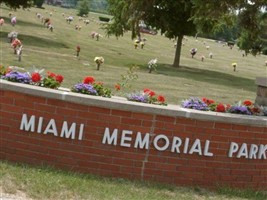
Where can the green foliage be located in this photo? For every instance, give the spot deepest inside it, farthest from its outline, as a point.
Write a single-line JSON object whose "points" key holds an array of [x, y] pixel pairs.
{"points": [[264, 51], [38, 3], [83, 8], [104, 19], [101, 90], [127, 79], [17, 4], [209, 18], [172, 18]]}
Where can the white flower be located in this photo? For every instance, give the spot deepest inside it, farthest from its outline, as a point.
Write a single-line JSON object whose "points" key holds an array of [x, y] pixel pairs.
{"points": [[152, 63], [99, 60]]}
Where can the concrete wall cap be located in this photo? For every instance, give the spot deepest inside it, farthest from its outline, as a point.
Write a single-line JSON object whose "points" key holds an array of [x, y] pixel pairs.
{"points": [[121, 103], [261, 81]]}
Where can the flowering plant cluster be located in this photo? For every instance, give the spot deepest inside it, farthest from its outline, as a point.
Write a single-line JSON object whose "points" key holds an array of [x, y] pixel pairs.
{"points": [[52, 80], [246, 107], [99, 60], [130, 76], [147, 96], [194, 103], [90, 87], [36, 77], [152, 64]]}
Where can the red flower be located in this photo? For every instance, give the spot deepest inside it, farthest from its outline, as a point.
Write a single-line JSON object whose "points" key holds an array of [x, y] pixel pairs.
{"points": [[59, 78], [36, 77], [210, 101], [51, 75], [228, 106], [117, 87], [247, 103], [89, 79], [161, 99], [149, 92], [146, 90], [220, 108], [204, 99]]}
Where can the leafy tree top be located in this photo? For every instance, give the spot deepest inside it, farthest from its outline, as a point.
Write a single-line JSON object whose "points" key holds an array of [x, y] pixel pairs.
{"points": [[17, 3]]}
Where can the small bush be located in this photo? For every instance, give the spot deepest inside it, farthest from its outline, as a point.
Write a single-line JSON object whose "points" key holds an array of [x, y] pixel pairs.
{"points": [[264, 51], [104, 19]]}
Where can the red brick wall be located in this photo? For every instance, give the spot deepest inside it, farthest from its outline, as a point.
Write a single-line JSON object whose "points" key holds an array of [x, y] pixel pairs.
{"points": [[89, 155]]}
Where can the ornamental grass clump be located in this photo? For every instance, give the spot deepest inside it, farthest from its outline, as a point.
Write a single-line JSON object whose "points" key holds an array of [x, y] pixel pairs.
{"points": [[146, 96], [90, 87]]}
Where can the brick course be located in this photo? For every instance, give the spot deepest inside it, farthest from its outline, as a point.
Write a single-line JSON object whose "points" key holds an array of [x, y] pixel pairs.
{"points": [[89, 155]]}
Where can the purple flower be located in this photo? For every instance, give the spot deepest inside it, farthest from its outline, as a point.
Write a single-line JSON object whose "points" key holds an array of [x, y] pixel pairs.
{"points": [[84, 89], [139, 97], [194, 103], [18, 77], [240, 110]]}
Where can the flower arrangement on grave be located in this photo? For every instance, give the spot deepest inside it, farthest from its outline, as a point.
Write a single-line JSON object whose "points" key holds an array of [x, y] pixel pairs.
{"points": [[234, 65], [152, 65], [90, 87], [146, 96], [99, 61]]}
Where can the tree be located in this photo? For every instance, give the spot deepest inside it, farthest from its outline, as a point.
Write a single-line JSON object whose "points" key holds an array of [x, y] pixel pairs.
{"points": [[38, 3], [83, 7], [172, 18], [17, 3], [250, 22]]}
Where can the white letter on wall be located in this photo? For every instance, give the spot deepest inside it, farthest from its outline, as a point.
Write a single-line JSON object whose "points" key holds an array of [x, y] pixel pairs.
{"points": [[27, 125], [196, 147], [243, 151], [81, 132], [233, 149], [141, 143], [157, 138], [126, 137], [206, 149], [262, 151], [176, 143], [107, 138], [51, 127], [253, 151], [65, 131]]}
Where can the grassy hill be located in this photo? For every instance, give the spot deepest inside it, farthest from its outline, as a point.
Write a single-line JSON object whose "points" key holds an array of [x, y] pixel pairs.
{"points": [[55, 52]]}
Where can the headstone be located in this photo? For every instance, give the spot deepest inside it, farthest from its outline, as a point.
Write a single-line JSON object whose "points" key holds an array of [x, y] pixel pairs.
{"points": [[261, 98]]}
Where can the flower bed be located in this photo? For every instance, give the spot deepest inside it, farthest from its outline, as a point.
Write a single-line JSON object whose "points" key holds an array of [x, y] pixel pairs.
{"points": [[34, 77], [89, 87], [246, 107]]}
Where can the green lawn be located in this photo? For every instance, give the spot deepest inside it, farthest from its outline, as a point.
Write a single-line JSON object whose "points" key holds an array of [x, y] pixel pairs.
{"points": [[55, 51], [47, 183]]}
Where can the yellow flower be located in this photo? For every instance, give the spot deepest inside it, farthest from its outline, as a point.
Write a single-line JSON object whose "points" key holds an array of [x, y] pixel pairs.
{"points": [[234, 64]]}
